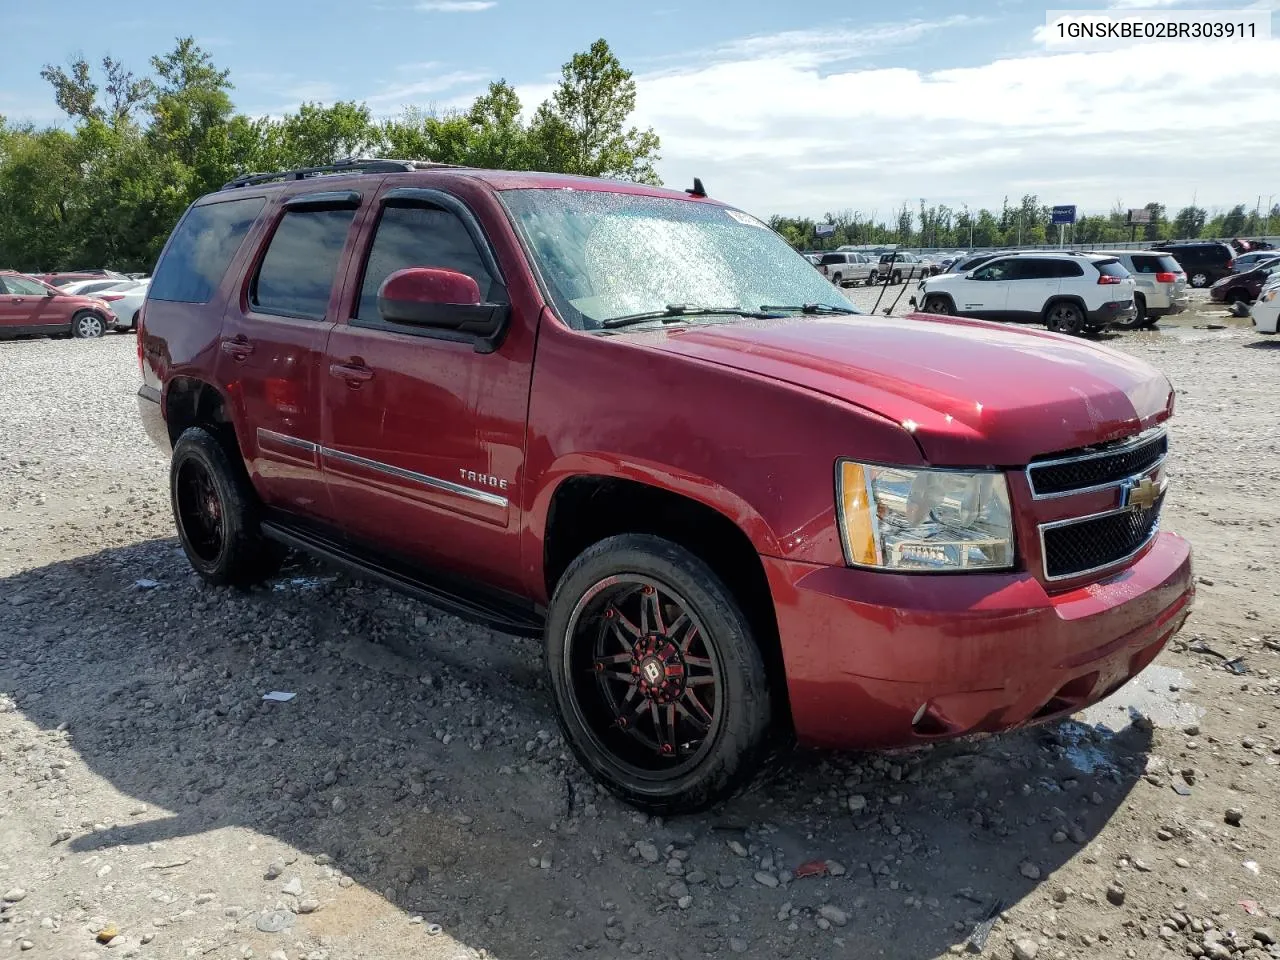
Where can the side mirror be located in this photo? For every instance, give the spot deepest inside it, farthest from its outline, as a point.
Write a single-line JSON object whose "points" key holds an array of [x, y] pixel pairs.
{"points": [[51, 292], [441, 300]]}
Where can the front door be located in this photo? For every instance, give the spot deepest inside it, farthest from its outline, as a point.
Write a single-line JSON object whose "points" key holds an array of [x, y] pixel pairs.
{"points": [[26, 305], [273, 342], [424, 434], [985, 293]]}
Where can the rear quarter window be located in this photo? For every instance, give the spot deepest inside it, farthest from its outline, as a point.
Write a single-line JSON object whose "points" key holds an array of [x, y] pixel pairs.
{"points": [[1111, 268], [201, 249]]}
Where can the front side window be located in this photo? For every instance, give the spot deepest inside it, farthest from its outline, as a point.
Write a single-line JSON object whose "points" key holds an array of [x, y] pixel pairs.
{"points": [[22, 287], [201, 249], [421, 236], [999, 270], [605, 255], [296, 275]]}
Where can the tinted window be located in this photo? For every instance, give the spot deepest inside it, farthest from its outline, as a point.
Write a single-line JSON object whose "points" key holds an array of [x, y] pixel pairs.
{"points": [[201, 248], [1067, 268], [1111, 268], [833, 258], [999, 270], [420, 237], [1034, 268], [1155, 263], [297, 272]]}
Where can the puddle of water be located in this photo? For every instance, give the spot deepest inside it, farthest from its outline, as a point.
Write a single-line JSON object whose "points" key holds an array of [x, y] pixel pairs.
{"points": [[1146, 695]]}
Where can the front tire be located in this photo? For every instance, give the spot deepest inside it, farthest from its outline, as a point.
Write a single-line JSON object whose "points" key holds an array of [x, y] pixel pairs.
{"points": [[216, 513], [87, 325], [938, 305], [897, 276], [659, 682]]}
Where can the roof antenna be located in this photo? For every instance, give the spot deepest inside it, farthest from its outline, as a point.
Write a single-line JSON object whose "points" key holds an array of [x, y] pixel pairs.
{"points": [[697, 189]]}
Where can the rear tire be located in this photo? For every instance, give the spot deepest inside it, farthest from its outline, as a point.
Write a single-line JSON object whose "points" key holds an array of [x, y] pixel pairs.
{"points": [[1199, 280], [1064, 317], [637, 610], [1139, 316], [838, 280], [216, 513], [873, 278], [87, 325]]}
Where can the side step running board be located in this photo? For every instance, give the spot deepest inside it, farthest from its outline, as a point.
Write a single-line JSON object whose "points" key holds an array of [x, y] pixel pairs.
{"points": [[510, 615]]}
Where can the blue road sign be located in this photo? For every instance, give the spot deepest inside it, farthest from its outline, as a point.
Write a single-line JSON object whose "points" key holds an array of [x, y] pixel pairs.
{"points": [[1065, 213]]}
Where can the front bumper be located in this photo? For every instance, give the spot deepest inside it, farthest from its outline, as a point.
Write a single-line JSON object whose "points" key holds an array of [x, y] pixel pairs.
{"points": [[881, 661]]}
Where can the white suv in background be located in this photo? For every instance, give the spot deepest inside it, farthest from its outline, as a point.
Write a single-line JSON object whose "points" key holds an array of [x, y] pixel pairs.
{"points": [[1067, 292], [1161, 285]]}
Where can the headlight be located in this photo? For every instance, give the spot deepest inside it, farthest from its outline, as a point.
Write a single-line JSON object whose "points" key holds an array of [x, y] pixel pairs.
{"points": [[895, 518]]}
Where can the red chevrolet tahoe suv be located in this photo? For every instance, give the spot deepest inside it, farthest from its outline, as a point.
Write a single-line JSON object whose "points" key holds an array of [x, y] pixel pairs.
{"points": [[635, 422]]}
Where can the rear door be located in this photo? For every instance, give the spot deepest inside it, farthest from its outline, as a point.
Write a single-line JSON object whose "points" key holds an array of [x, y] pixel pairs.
{"points": [[273, 339], [1033, 281]]}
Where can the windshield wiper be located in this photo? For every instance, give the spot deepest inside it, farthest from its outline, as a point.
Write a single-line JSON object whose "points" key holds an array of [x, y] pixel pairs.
{"points": [[811, 308], [675, 311]]}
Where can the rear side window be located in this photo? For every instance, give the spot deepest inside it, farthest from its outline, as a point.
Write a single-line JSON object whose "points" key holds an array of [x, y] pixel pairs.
{"points": [[421, 236], [1155, 264], [1066, 268], [1033, 268], [296, 275], [833, 258], [1111, 268], [201, 249]]}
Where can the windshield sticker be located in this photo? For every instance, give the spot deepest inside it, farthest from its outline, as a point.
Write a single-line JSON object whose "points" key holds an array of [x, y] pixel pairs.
{"points": [[745, 218]]}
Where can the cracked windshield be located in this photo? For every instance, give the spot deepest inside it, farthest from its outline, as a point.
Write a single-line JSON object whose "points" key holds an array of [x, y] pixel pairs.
{"points": [[607, 256]]}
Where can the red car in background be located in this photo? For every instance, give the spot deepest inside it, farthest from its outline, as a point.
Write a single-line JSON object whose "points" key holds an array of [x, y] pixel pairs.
{"points": [[1244, 286], [30, 306], [64, 277]]}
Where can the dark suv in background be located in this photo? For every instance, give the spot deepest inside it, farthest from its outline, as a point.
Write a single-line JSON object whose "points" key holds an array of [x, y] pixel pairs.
{"points": [[1203, 262]]}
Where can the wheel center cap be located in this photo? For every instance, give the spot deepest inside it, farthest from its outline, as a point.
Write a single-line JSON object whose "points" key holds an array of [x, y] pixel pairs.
{"points": [[652, 670]]}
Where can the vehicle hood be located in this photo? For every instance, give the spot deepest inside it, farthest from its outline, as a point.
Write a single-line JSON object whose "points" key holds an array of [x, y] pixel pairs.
{"points": [[971, 393]]}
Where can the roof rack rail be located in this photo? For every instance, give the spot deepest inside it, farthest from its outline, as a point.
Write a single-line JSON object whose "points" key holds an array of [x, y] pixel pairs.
{"points": [[352, 165]]}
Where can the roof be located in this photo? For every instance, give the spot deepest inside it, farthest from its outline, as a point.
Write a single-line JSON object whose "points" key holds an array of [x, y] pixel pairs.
{"points": [[346, 170]]}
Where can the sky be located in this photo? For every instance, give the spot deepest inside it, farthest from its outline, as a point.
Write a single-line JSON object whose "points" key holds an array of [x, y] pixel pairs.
{"points": [[792, 108]]}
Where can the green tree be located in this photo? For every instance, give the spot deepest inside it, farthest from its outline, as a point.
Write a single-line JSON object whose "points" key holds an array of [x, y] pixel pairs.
{"points": [[583, 128], [1189, 222]]}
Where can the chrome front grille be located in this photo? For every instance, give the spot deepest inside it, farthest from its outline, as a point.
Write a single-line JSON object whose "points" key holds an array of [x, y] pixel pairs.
{"points": [[1073, 548], [1093, 468], [1099, 541]]}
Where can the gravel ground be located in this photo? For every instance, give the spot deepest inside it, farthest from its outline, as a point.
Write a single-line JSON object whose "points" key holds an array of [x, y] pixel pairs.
{"points": [[414, 799]]}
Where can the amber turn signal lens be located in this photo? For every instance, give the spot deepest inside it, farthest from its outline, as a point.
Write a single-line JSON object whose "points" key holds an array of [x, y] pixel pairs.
{"points": [[859, 534]]}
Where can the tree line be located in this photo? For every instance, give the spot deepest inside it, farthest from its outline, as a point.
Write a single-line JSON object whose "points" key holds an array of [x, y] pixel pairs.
{"points": [[139, 148], [1026, 223]]}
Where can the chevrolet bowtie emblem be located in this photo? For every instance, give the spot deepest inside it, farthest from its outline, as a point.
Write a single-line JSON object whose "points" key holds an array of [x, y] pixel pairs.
{"points": [[1141, 495]]}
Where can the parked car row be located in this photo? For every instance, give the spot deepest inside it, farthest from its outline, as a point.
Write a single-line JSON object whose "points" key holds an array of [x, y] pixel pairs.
{"points": [[31, 306]]}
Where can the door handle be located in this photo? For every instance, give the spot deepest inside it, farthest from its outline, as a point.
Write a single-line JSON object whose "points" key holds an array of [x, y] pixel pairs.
{"points": [[355, 372], [18, 300], [238, 347]]}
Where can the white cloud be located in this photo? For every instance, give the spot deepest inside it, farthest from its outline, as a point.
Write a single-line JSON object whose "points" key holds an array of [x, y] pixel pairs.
{"points": [[768, 131], [455, 6]]}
